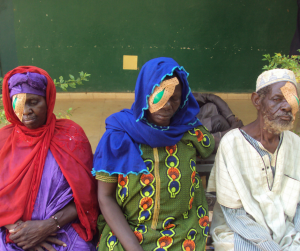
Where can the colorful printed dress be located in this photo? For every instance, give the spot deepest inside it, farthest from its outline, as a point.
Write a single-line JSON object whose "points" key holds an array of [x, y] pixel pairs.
{"points": [[166, 208]]}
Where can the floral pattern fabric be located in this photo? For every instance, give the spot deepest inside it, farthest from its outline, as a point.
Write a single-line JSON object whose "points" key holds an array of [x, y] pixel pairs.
{"points": [[182, 222]]}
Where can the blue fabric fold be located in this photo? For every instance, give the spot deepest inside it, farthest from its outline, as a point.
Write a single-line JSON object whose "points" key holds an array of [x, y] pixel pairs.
{"points": [[118, 151]]}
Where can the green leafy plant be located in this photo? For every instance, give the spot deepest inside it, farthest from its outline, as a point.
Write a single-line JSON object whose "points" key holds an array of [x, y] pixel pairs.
{"points": [[65, 115], [72, 82], [283, 62], [63, 84]]}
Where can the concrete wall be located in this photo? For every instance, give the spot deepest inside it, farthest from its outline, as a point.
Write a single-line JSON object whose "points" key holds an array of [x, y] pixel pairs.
{"points": [[220, 43]]}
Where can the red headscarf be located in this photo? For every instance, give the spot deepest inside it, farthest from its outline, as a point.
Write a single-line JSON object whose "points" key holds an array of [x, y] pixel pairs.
{"points": [[22, 157]]}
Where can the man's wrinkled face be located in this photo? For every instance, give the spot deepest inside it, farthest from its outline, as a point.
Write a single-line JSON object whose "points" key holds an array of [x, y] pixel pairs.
{"points": [[276, 111]]}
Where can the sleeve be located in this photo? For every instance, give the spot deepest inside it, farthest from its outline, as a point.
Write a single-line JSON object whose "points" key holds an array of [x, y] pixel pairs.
{"points": [[297, 218], [247, 228], [203, 141], [105, 177]]}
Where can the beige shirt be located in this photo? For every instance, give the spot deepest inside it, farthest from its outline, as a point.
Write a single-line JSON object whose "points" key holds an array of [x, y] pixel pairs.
{"points": [[241, 178]]}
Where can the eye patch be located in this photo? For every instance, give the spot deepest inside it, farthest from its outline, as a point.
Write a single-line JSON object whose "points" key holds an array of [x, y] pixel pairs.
{"points": [[289, 91], [18, 103], [158, 97], [162, 94]]}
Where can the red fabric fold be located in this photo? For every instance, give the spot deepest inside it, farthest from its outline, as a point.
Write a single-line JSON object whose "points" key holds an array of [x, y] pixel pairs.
{"points": [[7, 237], [22, 157]]}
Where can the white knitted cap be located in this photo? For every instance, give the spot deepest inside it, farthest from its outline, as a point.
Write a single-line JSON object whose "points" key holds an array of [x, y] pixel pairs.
{"points": [[273, 76]]}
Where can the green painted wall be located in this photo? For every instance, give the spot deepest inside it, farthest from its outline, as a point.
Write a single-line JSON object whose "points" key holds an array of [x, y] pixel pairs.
{"points": [[220, 43], [8, 50]]}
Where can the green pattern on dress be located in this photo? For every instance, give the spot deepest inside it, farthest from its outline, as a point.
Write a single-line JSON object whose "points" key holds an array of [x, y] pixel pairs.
{"points": [[166, 240], [203, 219], [173, 173], [139, 232], [189, 243], [193, 181], [111, 241], [182, 223], [147, 192], [123, 182]]}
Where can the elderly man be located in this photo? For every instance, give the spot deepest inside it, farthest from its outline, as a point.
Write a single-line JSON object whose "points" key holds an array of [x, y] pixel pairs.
{"points": [[256, 174]]}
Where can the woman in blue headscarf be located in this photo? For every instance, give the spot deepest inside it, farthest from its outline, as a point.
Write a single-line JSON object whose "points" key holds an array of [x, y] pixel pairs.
{"points": [[149, 193]]}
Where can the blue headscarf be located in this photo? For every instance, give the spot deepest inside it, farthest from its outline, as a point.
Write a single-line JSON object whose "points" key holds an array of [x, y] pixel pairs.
{"points": [[118, 151]]}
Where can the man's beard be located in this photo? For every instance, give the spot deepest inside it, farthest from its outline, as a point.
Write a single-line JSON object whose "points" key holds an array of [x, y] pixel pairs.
{"points": [[273, 123]]}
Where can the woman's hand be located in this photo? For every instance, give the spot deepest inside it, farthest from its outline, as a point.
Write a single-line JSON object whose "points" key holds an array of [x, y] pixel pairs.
{"points": [[12, 226], [47, 246], [31, 233], [114, 216]]}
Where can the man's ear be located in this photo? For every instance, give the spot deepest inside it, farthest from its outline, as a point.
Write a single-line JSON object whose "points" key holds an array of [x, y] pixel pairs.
{"points": [[256, 100]]}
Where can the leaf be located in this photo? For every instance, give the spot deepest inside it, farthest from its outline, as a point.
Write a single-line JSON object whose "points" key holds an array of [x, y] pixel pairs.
{"points": [[81, 74], [71, 77], [72, 85], [69, 111], [64, 87]]}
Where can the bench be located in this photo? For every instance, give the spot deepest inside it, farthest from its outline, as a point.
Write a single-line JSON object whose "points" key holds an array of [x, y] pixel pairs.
{"points": [[205, 165]]}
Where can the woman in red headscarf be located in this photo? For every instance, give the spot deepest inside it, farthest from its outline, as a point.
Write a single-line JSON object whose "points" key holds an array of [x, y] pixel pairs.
{"points": [[47, 192]]}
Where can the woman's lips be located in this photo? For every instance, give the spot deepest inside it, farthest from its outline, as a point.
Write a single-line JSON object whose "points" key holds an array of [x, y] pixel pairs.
{"points": [[163, 116], [28, 121]]}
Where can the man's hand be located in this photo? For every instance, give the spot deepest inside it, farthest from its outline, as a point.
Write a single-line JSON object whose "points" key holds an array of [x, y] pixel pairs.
{"points": [[32, 233]]}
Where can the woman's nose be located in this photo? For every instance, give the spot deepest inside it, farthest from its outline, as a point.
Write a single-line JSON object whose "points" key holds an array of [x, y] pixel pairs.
{"points": [[27, 110], [167, 105]]}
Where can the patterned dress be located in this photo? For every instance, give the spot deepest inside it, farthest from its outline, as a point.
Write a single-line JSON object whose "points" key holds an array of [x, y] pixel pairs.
{"points": [[166, 209]]}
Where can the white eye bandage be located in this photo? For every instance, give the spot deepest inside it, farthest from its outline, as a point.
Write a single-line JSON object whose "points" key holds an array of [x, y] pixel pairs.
{"points": [[18, 103], [289, 91], [162, 94]]}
